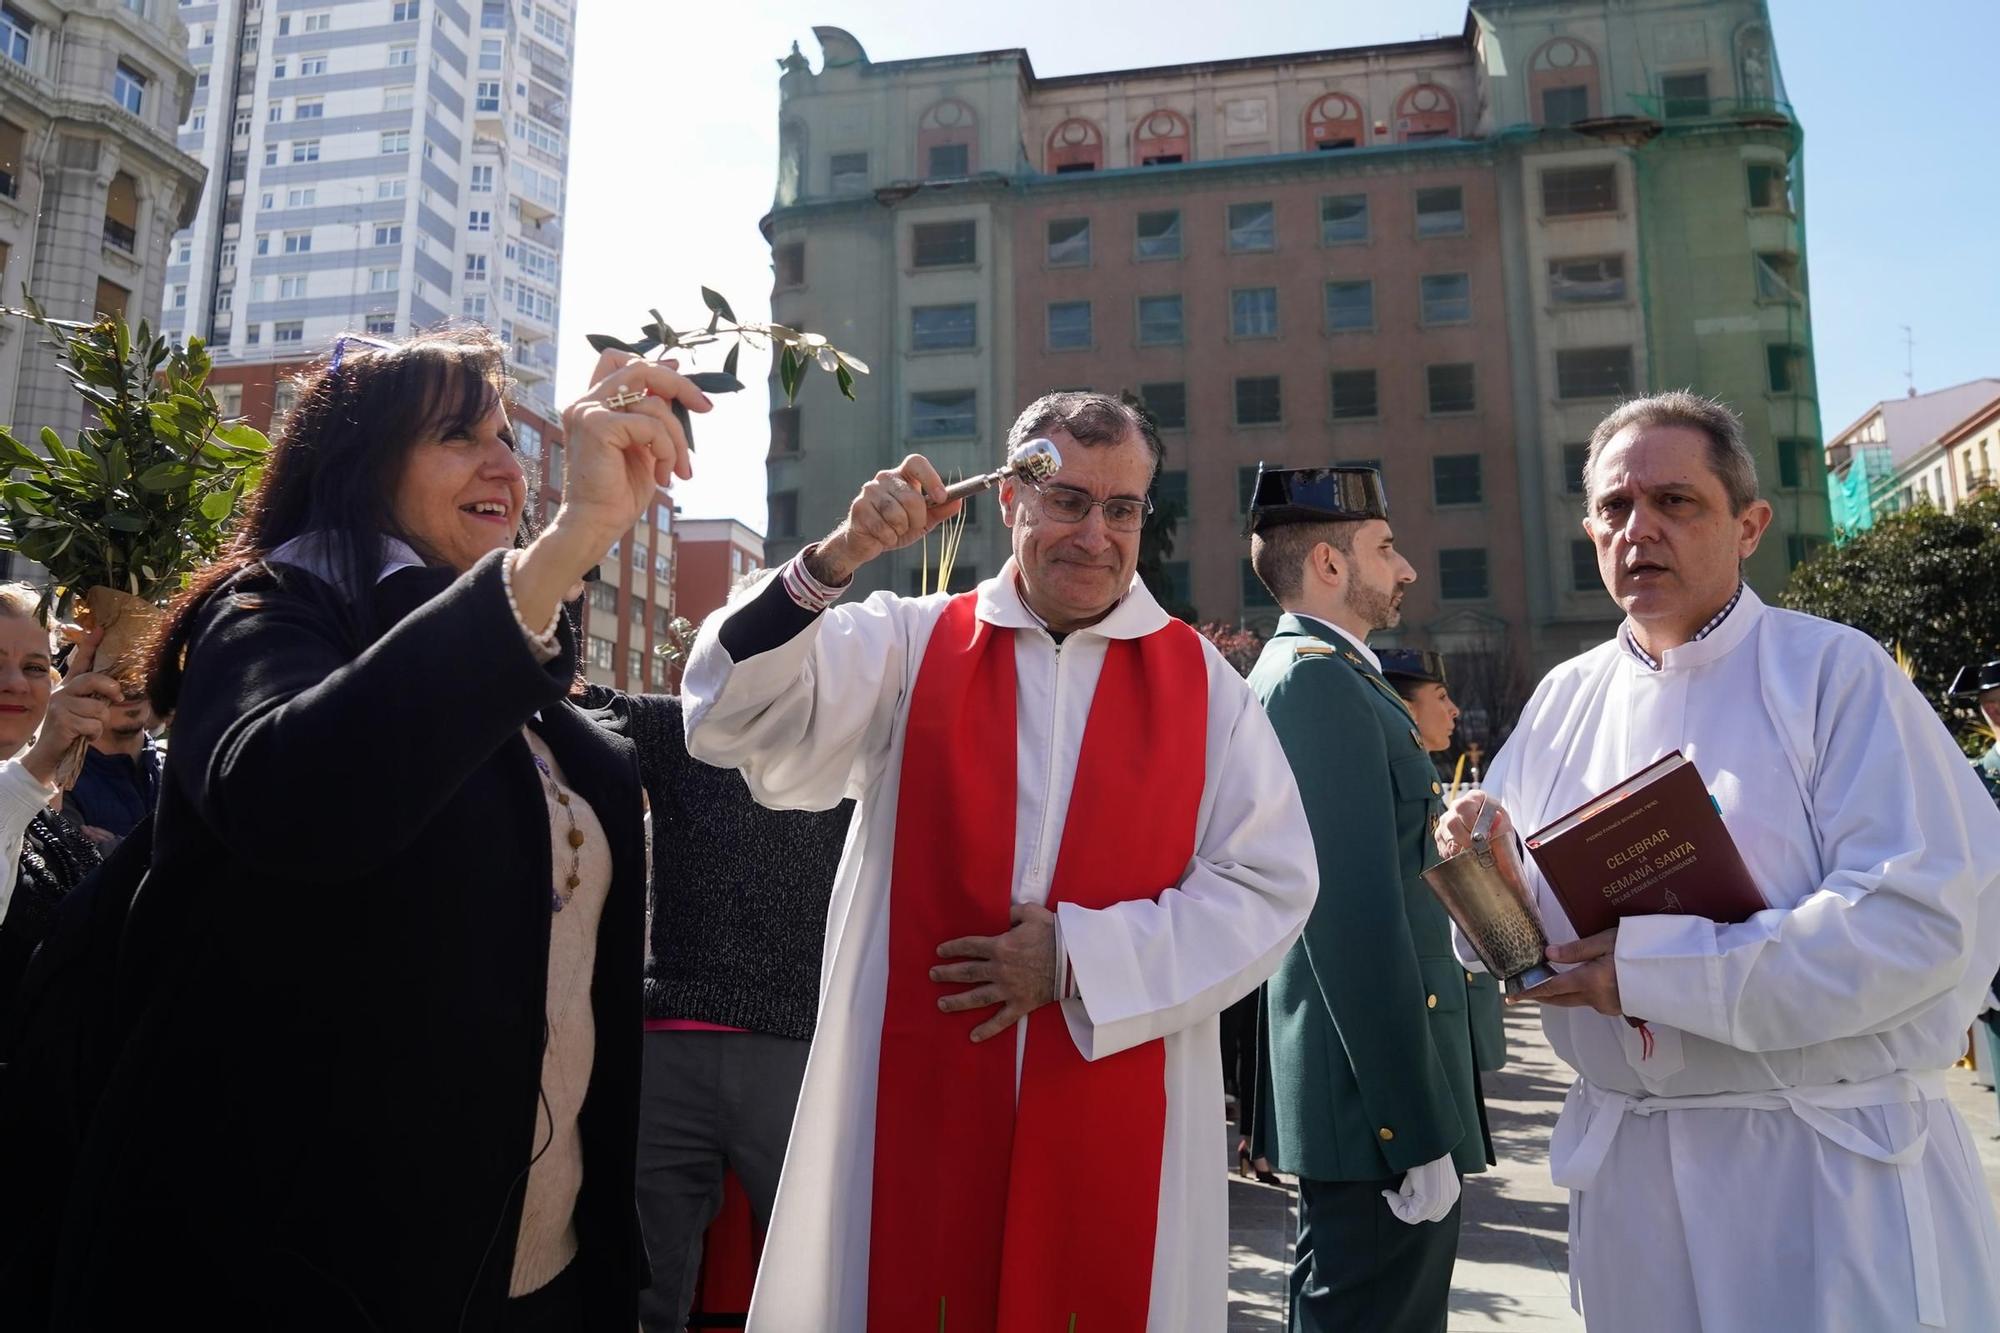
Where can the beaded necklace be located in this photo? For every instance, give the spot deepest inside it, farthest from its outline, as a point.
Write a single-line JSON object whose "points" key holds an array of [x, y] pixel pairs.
{"points": [[559, 896]]}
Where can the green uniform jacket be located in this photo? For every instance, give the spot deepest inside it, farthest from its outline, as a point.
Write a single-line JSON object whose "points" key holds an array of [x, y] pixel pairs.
{"points": [[1489, 1032], [1366, 1048]]}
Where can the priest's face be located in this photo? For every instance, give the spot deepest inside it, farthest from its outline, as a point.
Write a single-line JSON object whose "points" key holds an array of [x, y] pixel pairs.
{"points": [[1377, 576], [1668, 547], [1074, 572]]}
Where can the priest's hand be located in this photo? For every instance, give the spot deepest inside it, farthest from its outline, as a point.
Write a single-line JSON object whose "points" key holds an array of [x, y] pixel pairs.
{"points": [[894, 510], [1453, 833], [1016, 971], [1593, 984]]}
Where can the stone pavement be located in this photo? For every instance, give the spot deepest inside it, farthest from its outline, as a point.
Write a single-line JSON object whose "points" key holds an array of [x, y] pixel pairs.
{"points": [[1513, 1252]]}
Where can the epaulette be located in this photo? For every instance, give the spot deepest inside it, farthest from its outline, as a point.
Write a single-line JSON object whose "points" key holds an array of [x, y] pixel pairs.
{"points": [[1312, 650]]}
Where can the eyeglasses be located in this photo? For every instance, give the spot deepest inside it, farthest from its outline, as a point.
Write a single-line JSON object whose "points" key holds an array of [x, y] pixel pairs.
{"points": [[1066, 504]]}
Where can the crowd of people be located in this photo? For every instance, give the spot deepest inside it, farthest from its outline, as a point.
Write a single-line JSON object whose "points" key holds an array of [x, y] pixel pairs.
{"points": [[424, 986]]}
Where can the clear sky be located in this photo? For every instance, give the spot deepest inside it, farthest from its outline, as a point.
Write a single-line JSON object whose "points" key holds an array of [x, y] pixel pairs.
{"points": [[674, 151]]}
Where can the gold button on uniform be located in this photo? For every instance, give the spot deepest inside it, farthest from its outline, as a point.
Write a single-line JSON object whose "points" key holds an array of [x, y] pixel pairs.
{"points": [[1430, 1002], [1437, 789], [1468, 976], [1385, 1134]]}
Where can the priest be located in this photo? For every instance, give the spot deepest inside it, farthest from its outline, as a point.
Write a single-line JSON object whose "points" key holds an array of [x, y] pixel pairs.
{"points": [[1769, 1144], [1077, 842]]}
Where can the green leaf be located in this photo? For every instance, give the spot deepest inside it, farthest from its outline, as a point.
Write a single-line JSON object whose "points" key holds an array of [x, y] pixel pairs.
{"points": [[852, 362], [167, 477], [845, 381], [604, 342], [53, 443], [122, 521], [713, 300], [243, 435], [729, 362], [216, 507]]}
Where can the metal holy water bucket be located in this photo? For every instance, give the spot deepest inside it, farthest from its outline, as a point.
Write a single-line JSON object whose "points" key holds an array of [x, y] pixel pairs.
{"points": [[1483, 890]]}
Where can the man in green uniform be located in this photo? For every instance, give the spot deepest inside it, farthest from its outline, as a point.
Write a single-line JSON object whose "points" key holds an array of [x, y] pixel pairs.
{"points": [[1366, 1091], [1983, 682], [1418, 676]]}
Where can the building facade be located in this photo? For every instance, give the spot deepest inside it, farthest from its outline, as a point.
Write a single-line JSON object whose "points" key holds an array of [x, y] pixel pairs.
{"points": [[92, 183], [711, 554], [1937, 448], [1448, 257], [376, 167]]}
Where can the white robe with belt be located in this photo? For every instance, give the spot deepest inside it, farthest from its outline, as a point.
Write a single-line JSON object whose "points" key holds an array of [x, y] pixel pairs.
{"points": [[1784, 1159], [823, 717]]}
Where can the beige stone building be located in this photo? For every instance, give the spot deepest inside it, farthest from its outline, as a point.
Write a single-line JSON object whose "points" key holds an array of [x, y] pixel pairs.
{"points": [[92, 183]]}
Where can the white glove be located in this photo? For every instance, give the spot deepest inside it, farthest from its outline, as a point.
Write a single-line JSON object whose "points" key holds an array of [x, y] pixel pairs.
{"points": [[1428, 1193]]}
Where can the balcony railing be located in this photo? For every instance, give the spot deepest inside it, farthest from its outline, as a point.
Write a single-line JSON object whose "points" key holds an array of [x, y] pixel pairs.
{"points": [[120, 236], [10, 185]]}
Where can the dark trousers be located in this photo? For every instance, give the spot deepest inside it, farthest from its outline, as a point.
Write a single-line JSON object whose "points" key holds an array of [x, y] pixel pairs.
{"points": [[710, 1100], [1359, 1270]]}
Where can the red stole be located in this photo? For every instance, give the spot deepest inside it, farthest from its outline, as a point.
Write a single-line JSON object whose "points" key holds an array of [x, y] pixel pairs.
{"points": [[992, 1216]]}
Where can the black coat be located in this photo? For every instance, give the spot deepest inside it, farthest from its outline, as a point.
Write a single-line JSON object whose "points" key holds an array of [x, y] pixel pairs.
{"points": [[325, 1113]]}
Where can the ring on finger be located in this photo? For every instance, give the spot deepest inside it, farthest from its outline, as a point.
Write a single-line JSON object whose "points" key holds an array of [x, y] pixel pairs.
{"points": [[624, 398]]}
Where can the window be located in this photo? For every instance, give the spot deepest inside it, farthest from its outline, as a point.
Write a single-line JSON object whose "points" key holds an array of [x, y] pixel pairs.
{"points": [[183, 251], [121, 213], [784, 513], [1450, 388], [309, 108], [946, 415], [401, 54], [1162, 139], [242, 124], [305, 150], [1069, 242], [229, 401], [1253, 227], [1792, 456], [400, 98], [482, 180], [16, 30], [1171, 488], [550, 28], [1787, 365], [197, 122], [475, 268], [404, 11], [1565, 106], [1455, 479], [1594, 372], [273, 113], [474, 306], [288, 331], [1462, 573], [278, 68], [263, 242], [301, 197], [1160, 320], [1159, 235], [1778, 277], [1575, 458], [1445, 298], [1343, 219], [943, 328], [271, 153], [1253, 312], [291, 286], [1770, 186], [395, 141], [847, 173], [1257, 401], [1246, 487], [225, 299], [13, 139], [1350, 306], [1802, 546], [311, 65], [384, 279], [1254, 591], [1441, 211], [179, 296], [128, 88], [604, 599], [479, 219], [1684, 96], [1069, 325], [944, 244], [790, 263], [1583, 566], [1167, 402], [392, 189], [603, 651], [490, 51], [1354, 395], [785, 432], [949, 159], [1587, 281], [298, 242], [1571, 191], [486, 96]]}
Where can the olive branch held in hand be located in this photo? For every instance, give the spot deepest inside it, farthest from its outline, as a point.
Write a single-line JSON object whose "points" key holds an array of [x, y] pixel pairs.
{"points": [[798, 351]]}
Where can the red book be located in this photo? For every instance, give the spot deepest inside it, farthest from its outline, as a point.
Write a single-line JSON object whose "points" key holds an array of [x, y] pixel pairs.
{"points": [[1653, 843]]}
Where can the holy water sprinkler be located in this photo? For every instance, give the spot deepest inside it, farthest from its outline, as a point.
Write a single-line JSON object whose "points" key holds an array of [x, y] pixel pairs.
{"points": [[1037, 460]]}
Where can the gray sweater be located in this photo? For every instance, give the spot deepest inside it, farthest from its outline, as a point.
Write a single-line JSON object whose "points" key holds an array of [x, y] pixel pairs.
{"points": [[739, 892]]}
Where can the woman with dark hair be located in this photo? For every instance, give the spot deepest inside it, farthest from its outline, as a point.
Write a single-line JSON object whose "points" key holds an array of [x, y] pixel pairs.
{"points": [[384, 1069]]}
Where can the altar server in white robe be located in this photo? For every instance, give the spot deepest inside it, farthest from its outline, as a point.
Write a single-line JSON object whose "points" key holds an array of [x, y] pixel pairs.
{"points": [[1784, 1156], [1073, 812]]}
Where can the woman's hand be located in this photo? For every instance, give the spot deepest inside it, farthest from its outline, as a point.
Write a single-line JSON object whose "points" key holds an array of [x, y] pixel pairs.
{"points": [[77, 711], [623, 444]]}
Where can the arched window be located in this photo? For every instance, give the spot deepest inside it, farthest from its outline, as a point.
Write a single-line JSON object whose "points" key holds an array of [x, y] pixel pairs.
{"points": [[1562, 82], [1426, 112], [948, 140], [121, 213], [1162, 137], [1075, 145], [1335, 121]]}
